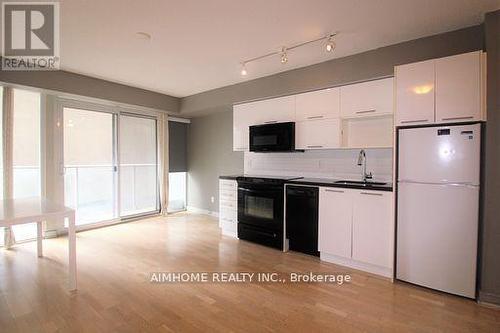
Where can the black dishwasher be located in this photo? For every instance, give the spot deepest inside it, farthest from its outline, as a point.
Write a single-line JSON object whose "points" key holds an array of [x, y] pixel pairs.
{"points": [[302, 219]]}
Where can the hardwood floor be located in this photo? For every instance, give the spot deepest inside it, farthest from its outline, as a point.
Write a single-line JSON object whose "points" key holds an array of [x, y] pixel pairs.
{"points": [[115, 295]]}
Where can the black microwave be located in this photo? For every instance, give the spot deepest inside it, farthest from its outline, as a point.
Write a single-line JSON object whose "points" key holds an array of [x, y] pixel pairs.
{"points": [[277, 137]]}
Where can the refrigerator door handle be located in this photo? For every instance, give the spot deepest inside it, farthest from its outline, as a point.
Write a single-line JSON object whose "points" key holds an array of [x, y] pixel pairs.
{"points": [[468, 184]]}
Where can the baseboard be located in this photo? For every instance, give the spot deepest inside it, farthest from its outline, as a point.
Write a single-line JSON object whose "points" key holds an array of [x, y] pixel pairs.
{"points": [[374, 269], [197, 210], [489, 299]]}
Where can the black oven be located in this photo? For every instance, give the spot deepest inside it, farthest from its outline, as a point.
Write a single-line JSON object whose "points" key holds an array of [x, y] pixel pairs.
{"points": [[277, 137], [260, 211]]}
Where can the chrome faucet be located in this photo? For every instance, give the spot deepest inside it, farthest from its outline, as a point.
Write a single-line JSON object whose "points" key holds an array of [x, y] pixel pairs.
{"points": [[362, 162]]}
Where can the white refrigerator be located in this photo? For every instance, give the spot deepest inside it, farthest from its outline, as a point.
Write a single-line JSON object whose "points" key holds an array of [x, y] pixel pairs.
{"points": [[438, 207]]}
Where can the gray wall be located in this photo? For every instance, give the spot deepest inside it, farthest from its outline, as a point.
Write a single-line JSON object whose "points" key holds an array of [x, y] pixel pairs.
{"points": [[360, 67], [82, 85], [210, 154], [490, 261]]}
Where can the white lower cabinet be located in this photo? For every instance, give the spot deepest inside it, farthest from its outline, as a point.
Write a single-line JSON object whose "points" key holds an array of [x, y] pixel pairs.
{"points": [[335, 221], [372, 228], [356, 229], [228, 207]]}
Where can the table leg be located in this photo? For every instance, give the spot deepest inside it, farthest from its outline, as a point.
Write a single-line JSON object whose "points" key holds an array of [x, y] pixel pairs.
{"points": [[72, 251], [39, 238]]}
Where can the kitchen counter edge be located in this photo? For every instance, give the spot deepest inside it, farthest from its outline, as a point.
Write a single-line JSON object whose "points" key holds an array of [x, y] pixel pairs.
{"points": [[385, 188]]}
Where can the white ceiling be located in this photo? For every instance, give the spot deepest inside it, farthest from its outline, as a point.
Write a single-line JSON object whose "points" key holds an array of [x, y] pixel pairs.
{"points": [[197, 45]]}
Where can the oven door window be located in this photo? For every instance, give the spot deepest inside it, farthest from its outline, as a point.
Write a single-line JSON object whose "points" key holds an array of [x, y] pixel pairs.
{"points": [[259, 207]]}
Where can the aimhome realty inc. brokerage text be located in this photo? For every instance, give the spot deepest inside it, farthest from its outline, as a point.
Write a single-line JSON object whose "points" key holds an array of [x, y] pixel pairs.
{"points": [[248, 277]]}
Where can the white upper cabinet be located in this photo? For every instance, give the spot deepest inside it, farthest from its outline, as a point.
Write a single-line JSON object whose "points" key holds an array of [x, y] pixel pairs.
{"points": [[274, 110], [243, 117], [444, 90], [261, 112], [321, 104], [318, 116], [373, 228], [317, 134], [335, 221], [372, 98], [415, 93], [240, 129], [458, 88]]}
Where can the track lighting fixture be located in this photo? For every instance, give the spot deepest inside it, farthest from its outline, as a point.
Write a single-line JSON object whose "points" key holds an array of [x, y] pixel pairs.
{"points": [[283, 53]]}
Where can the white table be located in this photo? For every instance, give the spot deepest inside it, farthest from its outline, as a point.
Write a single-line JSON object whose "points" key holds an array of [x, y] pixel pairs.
{"points": [[20, 211]]}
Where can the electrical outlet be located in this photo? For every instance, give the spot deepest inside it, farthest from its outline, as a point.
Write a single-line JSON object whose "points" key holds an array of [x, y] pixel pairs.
{"points": [[212, 199]]}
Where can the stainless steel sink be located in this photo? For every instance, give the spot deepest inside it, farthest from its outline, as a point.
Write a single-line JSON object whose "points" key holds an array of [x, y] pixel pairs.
{"points": [[359, 183]]}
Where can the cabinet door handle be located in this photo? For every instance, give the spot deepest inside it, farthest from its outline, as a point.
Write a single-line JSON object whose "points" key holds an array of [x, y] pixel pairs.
{"points": [[414, 121], [371, 193], [458, 118], [271, 122], [366, 111], [314, 146], [335, 191], [315, 117]]}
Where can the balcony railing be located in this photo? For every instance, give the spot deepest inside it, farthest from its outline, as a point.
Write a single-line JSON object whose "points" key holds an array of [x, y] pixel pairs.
{"points": [[91, 189]]}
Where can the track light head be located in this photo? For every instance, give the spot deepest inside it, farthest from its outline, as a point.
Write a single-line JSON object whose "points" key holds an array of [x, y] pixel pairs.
{"points": [[284, 57], [330, 45], [243, 69]]}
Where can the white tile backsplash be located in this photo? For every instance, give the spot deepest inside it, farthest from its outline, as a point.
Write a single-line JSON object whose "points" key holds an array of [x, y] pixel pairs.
{"points": [[338, 164]]}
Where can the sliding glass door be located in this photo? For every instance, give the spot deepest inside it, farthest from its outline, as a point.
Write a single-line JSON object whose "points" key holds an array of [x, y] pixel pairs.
{"points": [[90, 172], [110, 164], [138, 165]]}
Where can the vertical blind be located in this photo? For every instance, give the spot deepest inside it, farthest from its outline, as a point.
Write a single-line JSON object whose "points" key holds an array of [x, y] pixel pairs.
{"points": [[177, 146]]}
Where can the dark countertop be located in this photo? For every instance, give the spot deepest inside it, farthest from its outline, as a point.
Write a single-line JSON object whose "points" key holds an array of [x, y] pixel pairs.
{"points": [[332, 183], [328, 182], [230, 177]]}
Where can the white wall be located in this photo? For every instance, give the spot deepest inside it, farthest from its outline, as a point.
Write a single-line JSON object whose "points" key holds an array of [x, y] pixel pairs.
{"points": [[339, 164]]}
